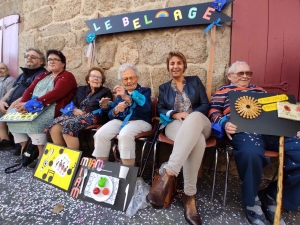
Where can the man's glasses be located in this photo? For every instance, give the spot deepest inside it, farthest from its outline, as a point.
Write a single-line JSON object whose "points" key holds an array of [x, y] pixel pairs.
{"points": [[53, 60], [96, 77], [125, 79], [240, 74], [30, 57]]}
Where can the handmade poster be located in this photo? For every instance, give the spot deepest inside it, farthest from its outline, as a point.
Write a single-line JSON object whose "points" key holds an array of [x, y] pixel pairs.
{"points": [[288, 111], [14, 116], [105, 183], [203, 13], [257, 113], [57, 166]]}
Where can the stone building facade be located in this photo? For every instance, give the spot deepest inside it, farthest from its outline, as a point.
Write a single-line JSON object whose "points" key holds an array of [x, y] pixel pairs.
{"points": [[59, 24]]}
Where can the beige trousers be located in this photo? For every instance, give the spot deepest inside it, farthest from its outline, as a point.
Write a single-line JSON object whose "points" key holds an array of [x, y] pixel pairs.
{"points": [[126, 137], [189, 145], [37, 139]]}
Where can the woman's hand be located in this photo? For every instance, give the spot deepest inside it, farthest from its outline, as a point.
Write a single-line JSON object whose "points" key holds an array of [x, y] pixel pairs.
{"points": [[298, 134], [78, 112], [230, 128], [104, 102], [20, 107], [119, 90], [120, 108], [180, 116]]}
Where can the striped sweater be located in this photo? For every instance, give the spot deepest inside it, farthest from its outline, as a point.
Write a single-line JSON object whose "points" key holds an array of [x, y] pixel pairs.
{"points": [[220, 106]]}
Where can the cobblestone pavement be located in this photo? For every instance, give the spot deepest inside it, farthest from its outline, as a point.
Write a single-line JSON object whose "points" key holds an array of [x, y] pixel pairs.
{"points": [[25, 200]]}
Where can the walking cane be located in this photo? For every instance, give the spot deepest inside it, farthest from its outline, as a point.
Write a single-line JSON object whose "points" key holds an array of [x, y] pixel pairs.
{"points": [[279, 182], [151, 146]]}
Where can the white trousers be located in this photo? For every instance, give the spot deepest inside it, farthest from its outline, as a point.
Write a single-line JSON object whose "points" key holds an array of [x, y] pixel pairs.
{"points": [[37, 139], [126, 137]]}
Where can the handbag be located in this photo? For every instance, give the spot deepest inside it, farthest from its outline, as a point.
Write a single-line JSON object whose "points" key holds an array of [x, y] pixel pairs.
{"points": [[29, 154], [171, 192]]}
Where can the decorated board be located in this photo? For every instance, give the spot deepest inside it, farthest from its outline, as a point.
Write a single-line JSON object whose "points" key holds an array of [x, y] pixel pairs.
{"points": [[14, 116], [265, 120], [57, 166], [203, 13], [105, 183]]}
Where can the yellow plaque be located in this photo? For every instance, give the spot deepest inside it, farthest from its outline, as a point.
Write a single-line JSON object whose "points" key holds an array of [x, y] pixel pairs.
{"points": [[272, 99]]}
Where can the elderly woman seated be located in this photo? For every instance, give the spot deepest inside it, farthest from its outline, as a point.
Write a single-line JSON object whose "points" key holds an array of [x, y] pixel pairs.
{"points": [[82, 111], [184, 101], [249, 149], [56, 89], [130, 115]]}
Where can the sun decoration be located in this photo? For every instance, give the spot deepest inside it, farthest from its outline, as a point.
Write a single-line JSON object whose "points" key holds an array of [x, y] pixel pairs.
{"points": [[247, 107]]}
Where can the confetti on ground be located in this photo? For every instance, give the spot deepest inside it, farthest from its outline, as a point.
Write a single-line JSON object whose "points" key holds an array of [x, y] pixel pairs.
{"points": [[28, 201]]}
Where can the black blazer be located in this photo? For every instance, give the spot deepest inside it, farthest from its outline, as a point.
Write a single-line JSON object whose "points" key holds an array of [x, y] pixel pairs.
{"points": [[101, 92], [193, 88]]}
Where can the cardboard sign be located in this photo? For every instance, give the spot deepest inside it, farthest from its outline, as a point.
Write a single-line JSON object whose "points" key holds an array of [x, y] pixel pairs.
{"points": [[203, 13], [57, 166], [14, 116], [114, 192], [267, 122]]}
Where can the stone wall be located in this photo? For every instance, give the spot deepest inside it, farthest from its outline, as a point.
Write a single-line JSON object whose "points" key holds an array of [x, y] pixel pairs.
{"points": [[60, 24]]}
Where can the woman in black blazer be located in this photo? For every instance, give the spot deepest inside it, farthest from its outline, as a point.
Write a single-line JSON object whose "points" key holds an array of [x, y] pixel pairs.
{"points": [[64, 129], [183, 100]]}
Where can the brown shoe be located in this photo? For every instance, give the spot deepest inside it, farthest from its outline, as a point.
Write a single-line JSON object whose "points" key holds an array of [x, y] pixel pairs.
{"points": [[159, 192], [190, 210]]}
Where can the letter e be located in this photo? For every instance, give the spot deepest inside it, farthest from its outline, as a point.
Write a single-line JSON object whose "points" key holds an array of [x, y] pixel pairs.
{"points": [[208, 13], [107, 25], [136, 23]]}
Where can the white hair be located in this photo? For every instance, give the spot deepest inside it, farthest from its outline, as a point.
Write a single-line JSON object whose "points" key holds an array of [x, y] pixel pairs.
{"points": [[237, 63], [126, 66]]}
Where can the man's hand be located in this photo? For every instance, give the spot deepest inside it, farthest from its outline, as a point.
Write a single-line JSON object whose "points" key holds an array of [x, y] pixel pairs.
{"points": [[230, 128], [180, 116], [3, 106], [298, 134], [77, 112]]}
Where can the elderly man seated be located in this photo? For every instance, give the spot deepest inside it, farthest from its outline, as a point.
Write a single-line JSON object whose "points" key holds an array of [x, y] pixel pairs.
{"points": [[248, 151]]}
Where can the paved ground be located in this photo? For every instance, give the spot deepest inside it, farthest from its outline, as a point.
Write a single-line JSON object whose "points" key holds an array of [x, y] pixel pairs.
{"points": [[25, 200]]}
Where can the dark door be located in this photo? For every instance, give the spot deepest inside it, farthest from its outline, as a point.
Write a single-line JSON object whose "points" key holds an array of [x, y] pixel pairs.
{"points": [[266, 34]]}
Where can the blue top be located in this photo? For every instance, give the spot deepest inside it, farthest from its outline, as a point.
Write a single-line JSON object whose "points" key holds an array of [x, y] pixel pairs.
{"points": [[139, 112]]}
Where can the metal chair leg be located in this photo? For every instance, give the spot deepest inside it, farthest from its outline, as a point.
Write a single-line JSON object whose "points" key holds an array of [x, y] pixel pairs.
{"points": [[154, 159], [215, 172], [142, 155], [226, 176]]}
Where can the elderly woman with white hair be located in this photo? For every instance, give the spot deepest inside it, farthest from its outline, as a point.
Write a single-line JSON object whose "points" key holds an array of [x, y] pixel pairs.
{"points": [[130, 115]]}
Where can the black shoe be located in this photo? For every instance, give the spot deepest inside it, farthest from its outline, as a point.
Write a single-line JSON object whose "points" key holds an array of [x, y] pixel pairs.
{"points": [[32, 165], [268, 203], [18, 161], [17, 150], [6, 145]]}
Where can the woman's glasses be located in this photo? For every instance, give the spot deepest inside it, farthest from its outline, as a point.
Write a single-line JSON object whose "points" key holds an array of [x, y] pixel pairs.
{"points": [[96, 77], [125, 79], [53, 60]]}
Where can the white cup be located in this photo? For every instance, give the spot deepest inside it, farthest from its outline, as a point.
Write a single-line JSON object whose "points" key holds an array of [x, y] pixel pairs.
{"points": [[123, 172]]}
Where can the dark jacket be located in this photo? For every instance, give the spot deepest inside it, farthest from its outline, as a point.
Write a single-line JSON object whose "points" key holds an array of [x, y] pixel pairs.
{"points": [[140, 112], [22, 82], [101, 92], [62, 93], [193, 88]]}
